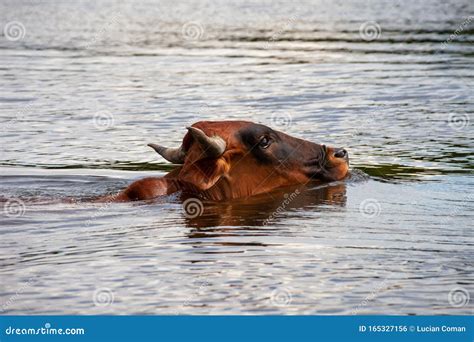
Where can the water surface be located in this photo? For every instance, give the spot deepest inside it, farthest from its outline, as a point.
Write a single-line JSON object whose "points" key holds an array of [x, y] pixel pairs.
{"points": [[90, 84]]}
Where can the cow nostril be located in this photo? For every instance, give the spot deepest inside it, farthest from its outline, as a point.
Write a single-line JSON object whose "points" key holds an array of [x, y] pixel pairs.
{"points": [[340, 153]]}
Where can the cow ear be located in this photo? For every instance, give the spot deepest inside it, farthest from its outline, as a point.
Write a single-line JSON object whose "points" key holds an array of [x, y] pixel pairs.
{"points": [[204, 163], [204, 173]]}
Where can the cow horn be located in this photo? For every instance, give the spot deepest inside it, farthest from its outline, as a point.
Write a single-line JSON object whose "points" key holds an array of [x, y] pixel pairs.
{"points": [[214, 147], [173, 155]]}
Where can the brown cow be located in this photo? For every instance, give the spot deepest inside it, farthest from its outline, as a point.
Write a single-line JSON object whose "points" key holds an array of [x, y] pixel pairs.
{"points": [[234, 159]]}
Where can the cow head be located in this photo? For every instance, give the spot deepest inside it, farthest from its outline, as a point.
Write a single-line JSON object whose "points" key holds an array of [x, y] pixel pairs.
{"points": [[232, 159]]}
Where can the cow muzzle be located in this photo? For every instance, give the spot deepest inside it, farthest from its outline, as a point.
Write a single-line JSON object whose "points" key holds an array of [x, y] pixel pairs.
{"points": [[337, 163], [341, 153]]}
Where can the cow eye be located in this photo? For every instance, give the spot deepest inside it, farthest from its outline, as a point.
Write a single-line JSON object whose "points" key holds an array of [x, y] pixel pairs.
{"points": [[264, 142]]}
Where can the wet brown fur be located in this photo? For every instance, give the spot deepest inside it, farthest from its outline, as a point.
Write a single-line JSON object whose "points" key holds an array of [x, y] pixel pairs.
{"points": [[244, 169]]}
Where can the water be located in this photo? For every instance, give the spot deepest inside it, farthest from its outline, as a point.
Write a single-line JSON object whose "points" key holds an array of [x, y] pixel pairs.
{"points": [[91, 84]]}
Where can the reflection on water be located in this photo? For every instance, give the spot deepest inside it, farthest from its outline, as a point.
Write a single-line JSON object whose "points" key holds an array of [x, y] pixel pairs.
{"points": [[82, 96], [265, 209]]}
